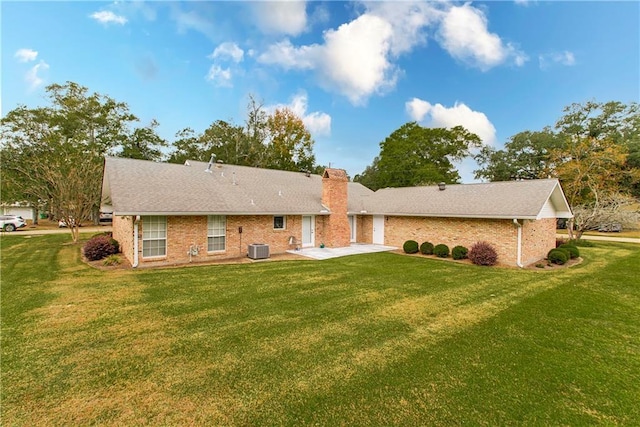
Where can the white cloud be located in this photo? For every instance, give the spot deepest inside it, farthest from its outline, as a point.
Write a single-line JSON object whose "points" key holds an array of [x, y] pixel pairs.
{"points": [[26, 55], [108, 17], [317, 123], [290, 57], [441, 116], [359, 58], [408, 20], [33, 78], [219, 76], [355, 58], [228, 50], [464, 34], [281, 17], [352, 60], [565, 58], [417, 109], [192, 20]]}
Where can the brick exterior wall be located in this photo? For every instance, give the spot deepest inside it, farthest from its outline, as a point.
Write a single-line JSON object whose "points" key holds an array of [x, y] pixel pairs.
{"points": [[538, 238], [500, 233], [184, 231], [364, 229], [122, 231], [336, 232]]}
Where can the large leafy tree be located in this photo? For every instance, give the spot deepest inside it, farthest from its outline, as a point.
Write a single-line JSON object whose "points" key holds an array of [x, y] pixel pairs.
{"points": [[525, 156], [416, 155], [593, 150], [290, 144], [143, 143], [277, 140], [53, 155], [592, 172], [528, 154]]}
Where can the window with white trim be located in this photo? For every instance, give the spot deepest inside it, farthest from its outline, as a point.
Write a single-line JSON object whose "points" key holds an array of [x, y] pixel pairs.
{"points": [[216, 233], [279, 223], [154, 236]]}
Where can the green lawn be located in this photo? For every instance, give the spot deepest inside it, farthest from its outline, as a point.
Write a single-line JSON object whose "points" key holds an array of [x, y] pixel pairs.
{"points": [[381, 339]]}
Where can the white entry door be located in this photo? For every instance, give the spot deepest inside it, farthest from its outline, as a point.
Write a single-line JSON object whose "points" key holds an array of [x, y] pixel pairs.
{"points": [[352, 226], [308, 231], [378, 229]]}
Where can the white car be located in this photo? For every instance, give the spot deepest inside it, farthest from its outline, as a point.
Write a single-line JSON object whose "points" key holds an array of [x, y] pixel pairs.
{"points": [[62, 223], [11, 222]]}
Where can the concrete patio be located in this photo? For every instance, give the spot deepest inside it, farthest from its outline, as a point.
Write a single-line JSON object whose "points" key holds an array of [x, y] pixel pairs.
{"points": [[354, 249]]}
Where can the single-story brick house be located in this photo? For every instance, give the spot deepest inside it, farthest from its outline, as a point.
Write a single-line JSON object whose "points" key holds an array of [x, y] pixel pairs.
{"points": [[170, 214]]}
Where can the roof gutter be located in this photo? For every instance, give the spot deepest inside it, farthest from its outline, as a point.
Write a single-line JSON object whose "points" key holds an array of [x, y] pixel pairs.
{"points": [[135, 241], [519, 246]]}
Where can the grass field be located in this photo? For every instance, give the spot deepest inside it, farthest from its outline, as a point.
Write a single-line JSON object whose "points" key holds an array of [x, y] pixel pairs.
{"points": [[380, 339]]}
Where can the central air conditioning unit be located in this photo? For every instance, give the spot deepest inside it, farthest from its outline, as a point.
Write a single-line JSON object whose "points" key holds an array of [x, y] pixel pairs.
{"points": [[258, 251]]}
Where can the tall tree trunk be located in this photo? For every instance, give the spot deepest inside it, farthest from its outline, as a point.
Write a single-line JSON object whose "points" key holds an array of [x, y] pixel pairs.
{"points": [[570, 229]]}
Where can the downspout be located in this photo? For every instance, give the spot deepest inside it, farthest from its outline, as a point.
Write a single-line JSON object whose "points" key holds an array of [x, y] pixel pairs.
{"points": [[135, 241], [519, 251]]}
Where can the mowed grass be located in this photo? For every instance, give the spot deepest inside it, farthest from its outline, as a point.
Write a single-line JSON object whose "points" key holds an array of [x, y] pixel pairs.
{"points": [[380, 339]]}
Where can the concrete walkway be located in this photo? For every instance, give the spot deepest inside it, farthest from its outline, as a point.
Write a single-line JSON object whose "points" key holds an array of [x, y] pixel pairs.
{"points": [[354, 249], [604, 238]]}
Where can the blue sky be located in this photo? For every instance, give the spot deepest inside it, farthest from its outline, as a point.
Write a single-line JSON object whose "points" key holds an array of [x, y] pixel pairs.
{"points": [[354, 71]]}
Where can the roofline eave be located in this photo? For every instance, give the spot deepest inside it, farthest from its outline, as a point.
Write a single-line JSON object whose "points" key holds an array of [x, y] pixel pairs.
{"points": [[469, 216], [190, 213]]}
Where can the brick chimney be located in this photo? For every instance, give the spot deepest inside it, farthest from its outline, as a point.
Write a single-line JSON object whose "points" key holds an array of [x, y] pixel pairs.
{"points": [[334, 197]]}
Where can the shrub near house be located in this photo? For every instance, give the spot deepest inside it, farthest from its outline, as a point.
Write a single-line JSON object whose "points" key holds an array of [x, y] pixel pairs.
{"points": [[99, 247]]}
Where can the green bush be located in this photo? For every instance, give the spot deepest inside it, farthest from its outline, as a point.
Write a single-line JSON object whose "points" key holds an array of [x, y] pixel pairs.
{"points": [[482, 253], [557, 256], [426, 248], [574, 252], [410, 246], [441, 250], [582, 243], [459, 252], [565, 251]]}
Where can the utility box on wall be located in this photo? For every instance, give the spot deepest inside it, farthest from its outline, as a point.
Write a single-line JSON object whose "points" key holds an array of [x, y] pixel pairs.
{"points": [[258, 251]]}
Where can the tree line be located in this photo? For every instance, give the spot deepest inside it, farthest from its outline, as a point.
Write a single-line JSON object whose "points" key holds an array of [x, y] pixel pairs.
{"points": [[52, 156], [593, 149]]}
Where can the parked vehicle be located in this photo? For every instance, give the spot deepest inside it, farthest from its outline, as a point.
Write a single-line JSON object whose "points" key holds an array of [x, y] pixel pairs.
{"points": [[106, 216], [11, 222], [614, 227], [62, 223]]}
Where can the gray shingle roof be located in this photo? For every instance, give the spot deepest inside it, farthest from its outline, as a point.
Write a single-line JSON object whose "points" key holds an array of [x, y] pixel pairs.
{"points": [[143, 187], [509, 199], [138, 187]]}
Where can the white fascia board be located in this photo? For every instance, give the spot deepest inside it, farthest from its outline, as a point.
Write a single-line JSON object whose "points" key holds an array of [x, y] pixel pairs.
{"points": [[509, 217], [173, 213]]}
